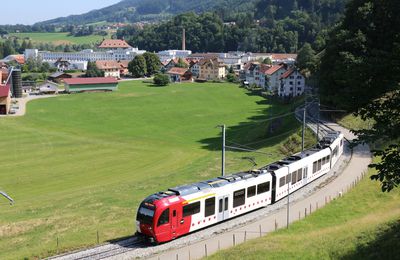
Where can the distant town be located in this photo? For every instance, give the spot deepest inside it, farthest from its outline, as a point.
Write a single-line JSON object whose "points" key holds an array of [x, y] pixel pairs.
{"points": [[272, 72]]}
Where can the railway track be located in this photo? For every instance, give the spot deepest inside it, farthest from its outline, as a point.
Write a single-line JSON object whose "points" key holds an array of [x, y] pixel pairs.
{"points": [[105, 251]]}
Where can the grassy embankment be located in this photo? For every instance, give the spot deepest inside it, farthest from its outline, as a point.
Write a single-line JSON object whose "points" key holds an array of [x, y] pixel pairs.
{"points": [[364, 224], [59, 38], [81, 163]]}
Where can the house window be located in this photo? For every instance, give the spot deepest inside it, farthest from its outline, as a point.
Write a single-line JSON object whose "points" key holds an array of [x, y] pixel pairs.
{"points": [[298, 89], [290, 82], [298, 77], [298, 83], [292, 77], [291, 89]]}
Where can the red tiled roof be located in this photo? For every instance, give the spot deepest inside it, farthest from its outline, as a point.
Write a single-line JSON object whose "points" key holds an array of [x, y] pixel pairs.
{"points": [[110, 43], [283, 56], [273, 69], [107, 64], [88, 81], [177, 71], [264, 68], [4, 90], [287, 73], [123, 63], [19, 58]]}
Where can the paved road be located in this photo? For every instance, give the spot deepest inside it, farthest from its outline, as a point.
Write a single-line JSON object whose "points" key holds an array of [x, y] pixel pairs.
{"points": [[21, 103], [355, 170]]}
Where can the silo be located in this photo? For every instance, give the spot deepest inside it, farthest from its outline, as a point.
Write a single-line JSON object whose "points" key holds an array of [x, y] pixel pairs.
{"points": [[16, 83]]}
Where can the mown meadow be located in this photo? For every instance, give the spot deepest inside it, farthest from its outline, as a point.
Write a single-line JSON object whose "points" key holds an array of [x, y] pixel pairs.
{"points": [[80, 164]]}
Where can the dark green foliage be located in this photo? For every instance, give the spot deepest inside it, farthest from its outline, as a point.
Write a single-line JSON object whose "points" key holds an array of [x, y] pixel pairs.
{"points": [[181, 64], [231, 77], [137, 67], [161, 79], [306, 59], [92, 71], [267, 61], [360, 72], [153, 63]]}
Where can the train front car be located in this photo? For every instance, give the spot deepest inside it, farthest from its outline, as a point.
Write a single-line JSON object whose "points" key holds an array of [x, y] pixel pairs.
{"points": [[159, 218]]}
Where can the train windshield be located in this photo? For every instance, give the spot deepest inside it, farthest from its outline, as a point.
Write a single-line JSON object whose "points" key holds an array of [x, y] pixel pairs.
{"points": [[145, 213]]}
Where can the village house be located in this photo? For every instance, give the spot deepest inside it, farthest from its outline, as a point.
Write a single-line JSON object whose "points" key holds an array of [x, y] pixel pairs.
{"points": [[211, 69], [180, 74], [292, 83], [194, 68], [48, 87], [123, 67], [110, 68], [273, 75], [174, 62], [5, 99], [255, 74], [59, 77], [62, 64]]}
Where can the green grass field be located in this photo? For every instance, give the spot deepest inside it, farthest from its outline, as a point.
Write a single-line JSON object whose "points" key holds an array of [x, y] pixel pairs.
{"points": [[364, 224], [58, 38], [78, 164]]}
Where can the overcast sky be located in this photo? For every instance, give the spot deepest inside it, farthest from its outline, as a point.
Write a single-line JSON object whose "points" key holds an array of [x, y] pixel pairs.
{"points": [[32, 11]]}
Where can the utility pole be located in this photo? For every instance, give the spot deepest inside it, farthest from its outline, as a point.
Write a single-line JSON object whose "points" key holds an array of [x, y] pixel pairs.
{"points": [[223, 149], [304, 127], [288, 190], [318, 120]]}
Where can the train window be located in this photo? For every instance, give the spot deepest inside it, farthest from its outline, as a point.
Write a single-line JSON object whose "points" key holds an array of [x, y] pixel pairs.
{"points": [[314, 167], [294, 177], [226, 204], [319, 164], [341, 142], [299, 174], [281, 181], [191, 209], [239, 198], [288, 177], [164, 218], [174, 213], [220, 206], [323, 160], [305, 172], [209, 208], [263, 187], [251, 191]]}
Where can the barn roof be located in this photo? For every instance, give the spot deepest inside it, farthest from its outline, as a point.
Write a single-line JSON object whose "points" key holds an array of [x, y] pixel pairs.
{"points": [[89, 81]]}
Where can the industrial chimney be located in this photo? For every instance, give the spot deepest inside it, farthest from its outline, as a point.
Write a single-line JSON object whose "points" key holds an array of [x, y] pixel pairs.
{"points": [[183, 39]]}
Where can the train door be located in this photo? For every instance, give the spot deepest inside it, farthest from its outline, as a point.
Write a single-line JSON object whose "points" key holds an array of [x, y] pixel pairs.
{"points": [[174, 223], [223, 206], [273, 190]]}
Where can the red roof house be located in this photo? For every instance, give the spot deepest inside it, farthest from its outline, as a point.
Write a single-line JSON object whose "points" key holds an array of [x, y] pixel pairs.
{"points": [[114, 44]]}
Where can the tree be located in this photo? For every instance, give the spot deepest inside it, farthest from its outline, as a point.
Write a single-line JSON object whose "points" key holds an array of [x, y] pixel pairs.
{"points": [[306, 58], [161, 79], [358, 73], [267, 61], [137, 67], [92, 71], [153, 63], [231, 77], [181, 64]]}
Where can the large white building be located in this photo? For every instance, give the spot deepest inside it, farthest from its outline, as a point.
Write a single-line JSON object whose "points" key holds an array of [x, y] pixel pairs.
{"points": [[168, 55]]}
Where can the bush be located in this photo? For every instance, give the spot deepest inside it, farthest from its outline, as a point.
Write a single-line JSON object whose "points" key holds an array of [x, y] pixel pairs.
{"points": [[161, 79]]}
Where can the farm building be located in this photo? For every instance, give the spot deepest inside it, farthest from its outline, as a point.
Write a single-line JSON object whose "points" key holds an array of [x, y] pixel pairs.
{"points": [[59, 77], [180, 74], [48, 88], [5, 99], [90, 84]]}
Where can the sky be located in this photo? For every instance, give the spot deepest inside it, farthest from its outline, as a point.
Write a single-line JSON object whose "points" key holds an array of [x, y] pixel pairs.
{"points": [[32, 11]]}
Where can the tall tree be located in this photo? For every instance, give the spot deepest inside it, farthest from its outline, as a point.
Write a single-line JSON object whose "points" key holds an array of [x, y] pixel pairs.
{"points": [[360, 72], [92, 71], [306, 58], [153, 63], [137, 67]]}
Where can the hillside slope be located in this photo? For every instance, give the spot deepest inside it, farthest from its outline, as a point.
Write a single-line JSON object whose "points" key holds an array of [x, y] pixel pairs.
{"points": [[148, 10]]}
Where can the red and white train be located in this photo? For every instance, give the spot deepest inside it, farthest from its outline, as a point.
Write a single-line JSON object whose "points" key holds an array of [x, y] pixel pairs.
{"points": [[178, 211]]}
